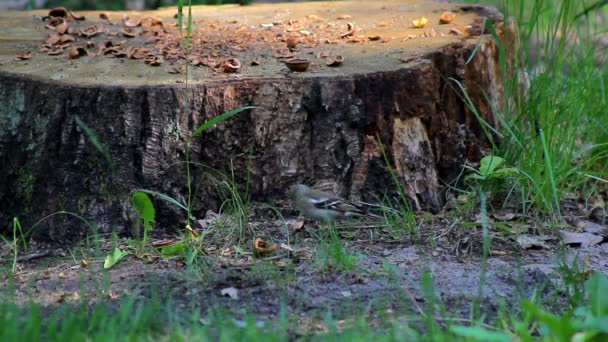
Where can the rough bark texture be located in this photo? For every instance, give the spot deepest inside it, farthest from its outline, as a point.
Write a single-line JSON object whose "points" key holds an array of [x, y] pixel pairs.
{"points": [[317, 128]]}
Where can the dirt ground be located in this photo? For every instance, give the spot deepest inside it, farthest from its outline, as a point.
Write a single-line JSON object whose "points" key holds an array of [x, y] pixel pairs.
{"points": [[386, 274]]}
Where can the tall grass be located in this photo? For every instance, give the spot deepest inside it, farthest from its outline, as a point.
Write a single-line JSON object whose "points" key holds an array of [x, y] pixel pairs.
{"points": [[554, 132]]}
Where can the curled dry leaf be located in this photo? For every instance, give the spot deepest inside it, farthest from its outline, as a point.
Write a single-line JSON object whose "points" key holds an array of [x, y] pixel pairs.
{"points": [[446, 17], [231, 65], [77, 51], [350, 30], [334, 61], [298, 64], [128, 32], [262, 248], [372, 38], [419, 23], [23, 55], [344, 16]]}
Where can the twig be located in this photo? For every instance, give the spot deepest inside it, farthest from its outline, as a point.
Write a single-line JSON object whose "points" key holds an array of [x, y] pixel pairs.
{"points": [[32, 256]]}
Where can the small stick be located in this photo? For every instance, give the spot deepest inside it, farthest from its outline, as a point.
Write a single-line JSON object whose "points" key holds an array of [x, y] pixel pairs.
{"points": [[32, 256]]}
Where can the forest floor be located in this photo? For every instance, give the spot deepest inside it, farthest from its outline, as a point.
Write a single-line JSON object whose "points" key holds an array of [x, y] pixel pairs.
{"points": [[364, 268]]}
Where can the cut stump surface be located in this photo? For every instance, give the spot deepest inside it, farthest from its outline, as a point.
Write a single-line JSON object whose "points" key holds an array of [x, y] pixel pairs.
{"points": [[397, 87]]}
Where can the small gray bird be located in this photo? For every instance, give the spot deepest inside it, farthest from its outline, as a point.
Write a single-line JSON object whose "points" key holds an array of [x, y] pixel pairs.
{"points": [[322, 206]]}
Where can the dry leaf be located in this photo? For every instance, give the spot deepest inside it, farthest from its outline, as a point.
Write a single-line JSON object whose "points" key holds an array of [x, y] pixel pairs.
{"points": [[528, 241], [262, 248], [419, 23], [584, 239]]}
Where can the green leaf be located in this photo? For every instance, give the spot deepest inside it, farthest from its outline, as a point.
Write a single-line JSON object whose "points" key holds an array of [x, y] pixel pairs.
{"points": [[479, 334], [144, 208], [218, 119], [176, 249], [489, 164], [114, 257], [560, 327], [96, 142], [597, 288]]}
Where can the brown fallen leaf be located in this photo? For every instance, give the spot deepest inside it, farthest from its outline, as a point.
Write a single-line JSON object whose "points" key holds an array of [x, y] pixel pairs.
{"points": [[262, 248]]}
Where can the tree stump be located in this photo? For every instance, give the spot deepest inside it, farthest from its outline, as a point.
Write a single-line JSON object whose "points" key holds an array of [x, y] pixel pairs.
{"points": [[395, 90]]}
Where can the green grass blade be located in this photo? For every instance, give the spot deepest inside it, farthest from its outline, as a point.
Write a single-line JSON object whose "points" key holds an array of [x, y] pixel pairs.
{"points": [[218, 119]]}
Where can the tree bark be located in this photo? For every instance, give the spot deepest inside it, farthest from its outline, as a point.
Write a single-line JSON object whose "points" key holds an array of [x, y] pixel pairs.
{"points": [[326, 127]]}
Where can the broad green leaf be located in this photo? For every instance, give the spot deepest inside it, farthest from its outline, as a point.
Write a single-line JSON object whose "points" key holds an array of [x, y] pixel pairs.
{"points": [[144, 208], [560, 327], [489, 164], [597, 288], [114, 257], [218, 119], [479, 334]]}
